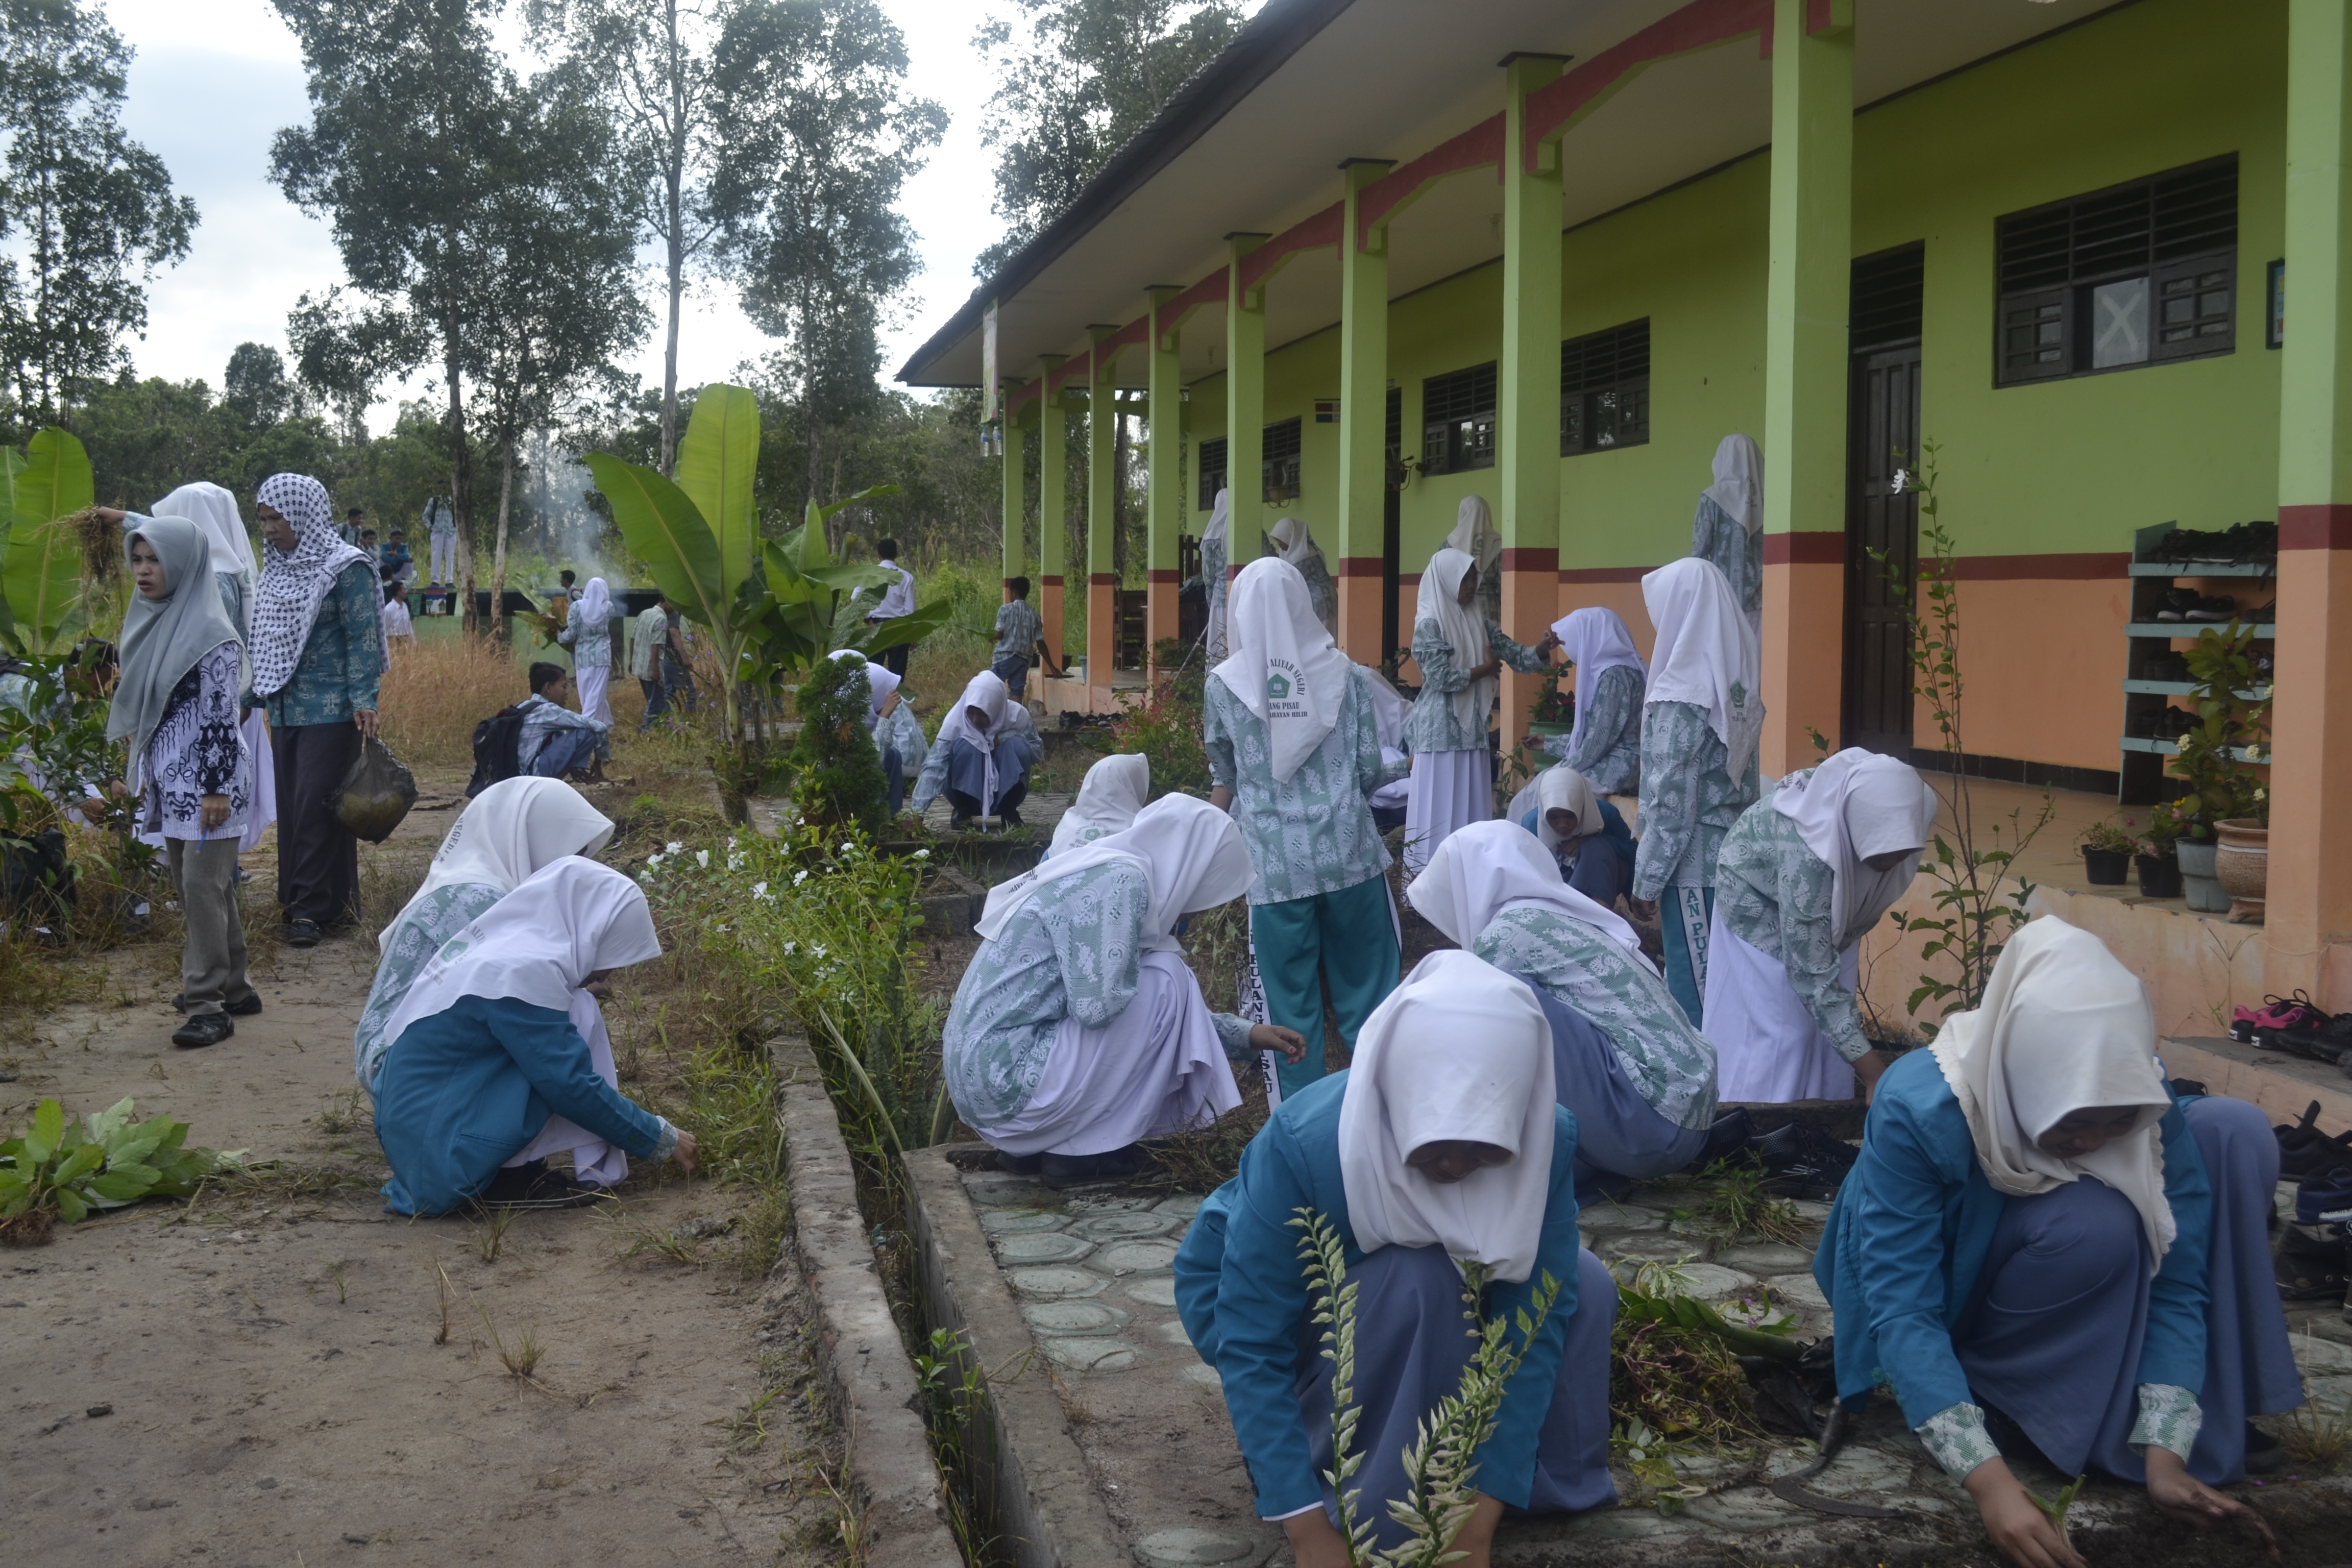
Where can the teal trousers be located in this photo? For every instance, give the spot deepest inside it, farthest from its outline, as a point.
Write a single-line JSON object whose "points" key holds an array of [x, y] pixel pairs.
{"points": [[1683, 916], [1348, 939]]}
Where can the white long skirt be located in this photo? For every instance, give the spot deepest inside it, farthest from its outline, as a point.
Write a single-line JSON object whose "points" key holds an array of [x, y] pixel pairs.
{"points": [[1450, 791], [1767, 1049], [1154, 1069], [593, 1161], [594, 679], [265, 781]]}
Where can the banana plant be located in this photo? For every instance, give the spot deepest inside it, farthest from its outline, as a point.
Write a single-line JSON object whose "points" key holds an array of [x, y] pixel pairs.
{"points": [[801, 610], [40, 576]]}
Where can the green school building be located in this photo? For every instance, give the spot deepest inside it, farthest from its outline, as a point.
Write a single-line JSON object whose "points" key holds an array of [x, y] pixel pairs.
{"points": [[1381, 255]]}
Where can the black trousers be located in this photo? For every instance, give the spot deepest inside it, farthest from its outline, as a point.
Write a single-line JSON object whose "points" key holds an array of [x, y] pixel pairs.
{"points": [[961, 804], [894, 659], [318, 858]]}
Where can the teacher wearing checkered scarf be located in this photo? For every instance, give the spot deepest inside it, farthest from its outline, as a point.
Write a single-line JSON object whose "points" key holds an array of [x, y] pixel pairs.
{"points": [[316, 647]]}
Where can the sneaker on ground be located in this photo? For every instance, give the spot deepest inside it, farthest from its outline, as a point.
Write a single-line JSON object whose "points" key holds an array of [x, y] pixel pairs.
{"points": [[303, 934], [2327, 1040], [2276, 1013], [204, 1029]]}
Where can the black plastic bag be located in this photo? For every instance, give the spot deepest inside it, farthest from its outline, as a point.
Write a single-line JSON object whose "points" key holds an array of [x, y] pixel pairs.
{"points": [[376, 793]]}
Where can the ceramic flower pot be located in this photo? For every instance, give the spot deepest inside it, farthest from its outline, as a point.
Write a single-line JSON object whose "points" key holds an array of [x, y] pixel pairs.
{"points": [[2242, 861], [2198, 882], [2107, 868], [2159, 877]]}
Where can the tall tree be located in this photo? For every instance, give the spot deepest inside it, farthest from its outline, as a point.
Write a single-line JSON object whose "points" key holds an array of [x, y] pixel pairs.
{"points": [[411, 136], [1088, 75], [816, 139], [560, 251], [649, 60], [91, 212]]}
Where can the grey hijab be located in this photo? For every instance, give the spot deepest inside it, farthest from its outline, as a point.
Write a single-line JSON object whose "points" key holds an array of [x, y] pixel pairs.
{"points": [[165, 639]]}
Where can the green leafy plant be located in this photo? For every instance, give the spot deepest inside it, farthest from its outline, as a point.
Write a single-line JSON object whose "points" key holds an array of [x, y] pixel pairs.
{"points": [[1979, 899], [1165, 727], [67, 1169], [2233, 707], [2163, 830], [2109, 836], [2056, 1511], [1554, 706], [838, 773], [41, 575]]}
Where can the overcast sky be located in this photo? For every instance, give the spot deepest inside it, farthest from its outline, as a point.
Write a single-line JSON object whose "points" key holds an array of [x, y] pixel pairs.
{"points": [[213, 80]]}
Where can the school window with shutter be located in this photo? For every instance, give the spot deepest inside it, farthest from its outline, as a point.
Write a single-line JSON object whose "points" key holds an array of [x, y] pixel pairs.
{"points": [[1604, 389], [1213, 472], [2137, 274], [1458, 420]]}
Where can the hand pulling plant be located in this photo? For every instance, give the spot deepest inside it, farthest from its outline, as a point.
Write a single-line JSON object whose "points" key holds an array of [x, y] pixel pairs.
{"points": [[63, 1169], [1441, 1463], [1980, 902]]}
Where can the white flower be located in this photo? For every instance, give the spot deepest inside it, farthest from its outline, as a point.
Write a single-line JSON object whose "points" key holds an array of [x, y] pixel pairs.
{"points": [[702, 858], [654, 858], [791, 948], [1901, 482], [673, 847], [760, 891], [816, 949], [922, 855], [735, 862], [722, 929], [798, 878]]}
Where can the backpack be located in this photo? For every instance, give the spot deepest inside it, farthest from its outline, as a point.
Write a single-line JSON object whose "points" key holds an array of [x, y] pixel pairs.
{"points": [[496, 740]]}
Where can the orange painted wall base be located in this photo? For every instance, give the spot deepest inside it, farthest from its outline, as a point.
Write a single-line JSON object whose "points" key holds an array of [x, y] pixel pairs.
{"points": [[1049, 610], [1359, 584], [1102, 625]]}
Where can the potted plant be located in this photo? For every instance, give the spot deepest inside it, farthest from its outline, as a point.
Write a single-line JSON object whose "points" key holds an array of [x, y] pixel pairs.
{"points": [[1555, 710], [2215, 757], [2160, 869], [2108, 853], [2241, 856]]}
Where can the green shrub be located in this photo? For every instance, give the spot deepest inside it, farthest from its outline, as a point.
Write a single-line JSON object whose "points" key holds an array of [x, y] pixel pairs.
{"points": [[1165, 727], [839, 774], [107, 1160]]}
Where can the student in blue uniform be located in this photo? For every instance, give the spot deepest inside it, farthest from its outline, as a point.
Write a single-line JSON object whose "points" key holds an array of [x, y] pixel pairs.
{"points": [[2039, 1245]]}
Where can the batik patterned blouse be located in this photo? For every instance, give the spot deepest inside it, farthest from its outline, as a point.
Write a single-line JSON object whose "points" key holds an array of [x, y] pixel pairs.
{"points": [[1432, 726], [198, 750], [1074, 950], [342, 667], [591, 646], [1609, 751], [1672, 1064], [1315, 834], [1018, 628], [1777, 896], [1322, 594], [417, 935], [1723, 539], [1688, 802]]}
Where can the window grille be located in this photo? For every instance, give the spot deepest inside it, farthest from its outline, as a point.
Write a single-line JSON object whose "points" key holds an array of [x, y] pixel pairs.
{"points": [[1604, 389], [1213, 472], [1458, 420], [1281, 462]]}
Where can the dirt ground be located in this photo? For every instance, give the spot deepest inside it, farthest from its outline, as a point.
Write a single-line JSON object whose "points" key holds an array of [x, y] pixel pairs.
{"points": [[279, 1370]]}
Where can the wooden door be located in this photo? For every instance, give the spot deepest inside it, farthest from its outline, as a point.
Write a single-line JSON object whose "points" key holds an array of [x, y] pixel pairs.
{"points": [[1882, 536]]}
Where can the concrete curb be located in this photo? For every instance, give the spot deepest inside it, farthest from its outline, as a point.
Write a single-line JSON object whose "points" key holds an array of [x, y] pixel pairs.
{"points": [[891, 1472], [1048, 1510]]}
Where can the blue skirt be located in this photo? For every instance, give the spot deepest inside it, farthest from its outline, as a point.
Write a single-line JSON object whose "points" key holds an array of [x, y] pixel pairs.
{"points": [[2052, 1338], [1619, 1137]]}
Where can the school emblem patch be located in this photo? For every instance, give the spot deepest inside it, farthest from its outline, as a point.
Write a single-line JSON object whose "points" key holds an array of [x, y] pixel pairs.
{"points": [[1277, 688]]}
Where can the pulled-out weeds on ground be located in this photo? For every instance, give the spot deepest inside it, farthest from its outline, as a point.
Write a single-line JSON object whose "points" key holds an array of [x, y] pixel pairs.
{"points": [[2314, 1439], [1731, 1202]]}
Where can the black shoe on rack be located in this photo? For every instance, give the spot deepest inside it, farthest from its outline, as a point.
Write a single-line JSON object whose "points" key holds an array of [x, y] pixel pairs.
{"points": [[2218, 608], [2176, 604]]}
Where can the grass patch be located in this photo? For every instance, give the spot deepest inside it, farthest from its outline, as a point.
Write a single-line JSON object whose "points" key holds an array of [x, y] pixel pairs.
{"points": [[2314, 1439]]}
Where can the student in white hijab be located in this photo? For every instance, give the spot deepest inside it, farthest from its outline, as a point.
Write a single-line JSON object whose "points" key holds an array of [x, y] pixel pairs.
{"points": [[2041, 1244], [1289, 540], [1728, 529], [1604, 743], [1294, 749], [1584, 833], [1701, 718], [1077, 1029], [489, 1053], [1803, 877], [1476, 535], [505, 835], [1639, 1078], [1110, 795], [175, 708], [1216, 554], [1441, 1147], [1460, 652], [1391, 714], [898, 737], [981, 756], [588, 633]]}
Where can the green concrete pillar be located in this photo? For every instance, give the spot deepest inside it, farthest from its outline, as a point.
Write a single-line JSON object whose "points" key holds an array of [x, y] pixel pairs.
{"points": [[1102, 577], [1357, 556], [1163, 458], [1805, 372], [1245, 402], [1015, 504], [1052, 522], [1526, 381]]}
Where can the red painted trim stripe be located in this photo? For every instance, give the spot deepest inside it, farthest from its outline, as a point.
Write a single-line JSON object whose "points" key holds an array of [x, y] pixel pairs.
{"points": [[1532, 560], [1209, 290], [2088, 567], [1103, 580], [1474, 148], [1363, 566], [2315, 527], [1308, 234], [1157, 576], [1698, 26], [1051, 579], [1812, 548]]}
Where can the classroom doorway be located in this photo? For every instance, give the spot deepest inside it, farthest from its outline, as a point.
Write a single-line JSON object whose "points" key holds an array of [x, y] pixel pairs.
{"points": [[1881, 531]]}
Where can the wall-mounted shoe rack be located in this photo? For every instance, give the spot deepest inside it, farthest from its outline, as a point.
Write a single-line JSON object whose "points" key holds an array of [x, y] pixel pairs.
{"points": [[2148, 640]]}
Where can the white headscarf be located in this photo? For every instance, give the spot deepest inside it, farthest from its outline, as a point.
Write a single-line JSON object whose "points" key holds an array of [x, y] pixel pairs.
{"points": [[1562, 788], [879, 682], [295, 584], [1220, 516], [1438, 598], [1853, 806], [1476, 535], [1292, 542], [165, 639], [538, 944], [1499, 866], [1113, 791], [1191, 852], [507, 833], [1705, 654], [1738, 487], [1389, 710], [215, 511], [1461, 1050], [1594, 640], [2063, 1027], [985, 691], [1284, 666], [595, 604]]}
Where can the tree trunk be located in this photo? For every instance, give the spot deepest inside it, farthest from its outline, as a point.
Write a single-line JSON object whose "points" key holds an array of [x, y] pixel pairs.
{"points": [[674, 171], [499, 627], [461, 487]]}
